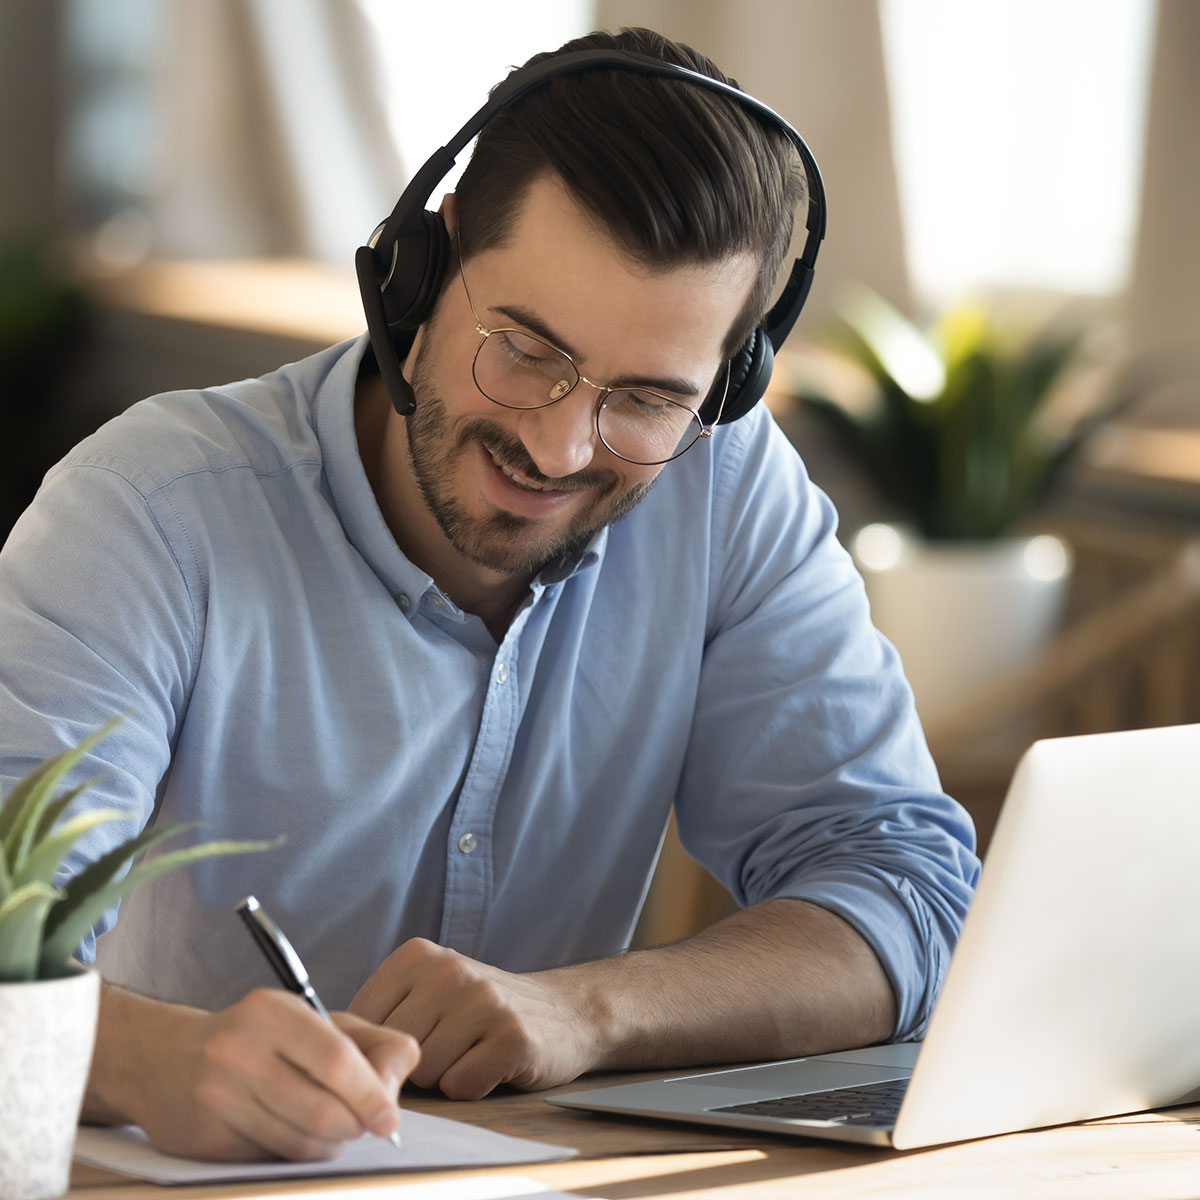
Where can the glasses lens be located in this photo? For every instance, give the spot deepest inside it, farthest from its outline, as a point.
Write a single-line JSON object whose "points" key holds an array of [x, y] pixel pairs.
{"points": [[645, 427], [520, 371]]}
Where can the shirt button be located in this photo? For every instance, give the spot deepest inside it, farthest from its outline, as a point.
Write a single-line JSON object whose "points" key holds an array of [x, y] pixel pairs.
{"points": [[405, 602], [467, 843], [437, 601], [501, 673]]}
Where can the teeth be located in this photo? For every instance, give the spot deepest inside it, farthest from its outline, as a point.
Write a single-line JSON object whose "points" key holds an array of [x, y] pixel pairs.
{"points": [[520, 480]]}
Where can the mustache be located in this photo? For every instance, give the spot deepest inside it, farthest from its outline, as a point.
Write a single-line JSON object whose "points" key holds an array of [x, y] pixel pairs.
{"points": [[510, 450]]}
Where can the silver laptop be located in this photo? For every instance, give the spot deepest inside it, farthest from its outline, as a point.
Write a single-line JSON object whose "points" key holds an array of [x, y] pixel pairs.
{"points": [[1073, 990]]}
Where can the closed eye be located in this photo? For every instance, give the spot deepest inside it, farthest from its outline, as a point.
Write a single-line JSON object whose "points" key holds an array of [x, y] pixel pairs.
{"points": [[645, 405], [524, 350]]}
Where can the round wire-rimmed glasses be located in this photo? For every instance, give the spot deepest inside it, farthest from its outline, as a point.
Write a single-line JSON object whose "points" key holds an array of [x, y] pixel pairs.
{"points": [[519, 370]]}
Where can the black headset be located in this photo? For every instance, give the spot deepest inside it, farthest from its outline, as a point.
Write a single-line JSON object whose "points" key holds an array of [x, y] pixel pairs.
{"points": [[401, 269]]}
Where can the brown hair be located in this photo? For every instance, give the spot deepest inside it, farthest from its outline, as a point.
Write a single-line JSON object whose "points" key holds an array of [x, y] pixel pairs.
{"points": [[678, 174]]}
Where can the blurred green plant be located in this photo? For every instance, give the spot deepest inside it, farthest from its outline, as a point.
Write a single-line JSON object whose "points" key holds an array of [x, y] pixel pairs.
{"points": [[42, 924], [964, 426]]}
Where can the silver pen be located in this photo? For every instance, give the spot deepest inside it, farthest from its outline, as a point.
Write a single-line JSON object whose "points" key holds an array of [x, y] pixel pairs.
{"points": [[286, 964]]}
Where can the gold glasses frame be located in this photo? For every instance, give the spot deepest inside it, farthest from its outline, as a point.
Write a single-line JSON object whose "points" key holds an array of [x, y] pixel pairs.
{"points": [[604, 392]]}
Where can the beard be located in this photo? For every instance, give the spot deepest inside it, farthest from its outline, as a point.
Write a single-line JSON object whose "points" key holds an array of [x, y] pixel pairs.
{"points": [[502, 541]]}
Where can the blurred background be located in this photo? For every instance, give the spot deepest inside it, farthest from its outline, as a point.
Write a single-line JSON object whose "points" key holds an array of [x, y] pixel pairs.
{"points": [[1001, 342]]}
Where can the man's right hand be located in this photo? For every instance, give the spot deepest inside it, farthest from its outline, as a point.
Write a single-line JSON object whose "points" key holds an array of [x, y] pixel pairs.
{"points": [[264, 1078]]}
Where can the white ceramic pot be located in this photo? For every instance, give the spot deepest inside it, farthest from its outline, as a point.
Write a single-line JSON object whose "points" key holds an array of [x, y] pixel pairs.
{"points": [[47, 1030], [961, 614]]}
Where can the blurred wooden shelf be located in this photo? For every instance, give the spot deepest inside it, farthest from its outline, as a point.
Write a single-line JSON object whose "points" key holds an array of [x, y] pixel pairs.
{"points": [[163, 325], [1166, 459], [292, 298]]}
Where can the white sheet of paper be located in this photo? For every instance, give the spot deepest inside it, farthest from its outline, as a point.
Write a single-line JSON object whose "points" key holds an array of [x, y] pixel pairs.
{"points": [[429, 1143]]}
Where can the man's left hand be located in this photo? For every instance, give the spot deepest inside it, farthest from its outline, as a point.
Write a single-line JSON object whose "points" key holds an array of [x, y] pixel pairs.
{"points": [[479, 1026], [782, 979]]}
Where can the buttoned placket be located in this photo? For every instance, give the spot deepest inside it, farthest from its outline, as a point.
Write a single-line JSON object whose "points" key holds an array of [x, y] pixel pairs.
{"points": [[469, 847]]}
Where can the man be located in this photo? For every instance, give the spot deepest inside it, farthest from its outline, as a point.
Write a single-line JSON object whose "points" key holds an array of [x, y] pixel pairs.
{"points": [[467, 660]]}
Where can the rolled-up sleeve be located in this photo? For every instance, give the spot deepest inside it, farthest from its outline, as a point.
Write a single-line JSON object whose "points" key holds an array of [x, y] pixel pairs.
{"points": [[807, 774], [95, 623]]}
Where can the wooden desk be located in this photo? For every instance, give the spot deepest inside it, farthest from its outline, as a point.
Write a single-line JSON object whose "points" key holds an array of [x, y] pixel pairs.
{"points": [[1147, 1156]]}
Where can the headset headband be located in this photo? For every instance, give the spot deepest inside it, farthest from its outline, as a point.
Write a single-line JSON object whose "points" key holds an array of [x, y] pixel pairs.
{"points": [[408, 227]]}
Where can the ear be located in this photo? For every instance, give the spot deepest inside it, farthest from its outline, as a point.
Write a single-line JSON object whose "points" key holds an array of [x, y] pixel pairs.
{"points": [[446, 211]]}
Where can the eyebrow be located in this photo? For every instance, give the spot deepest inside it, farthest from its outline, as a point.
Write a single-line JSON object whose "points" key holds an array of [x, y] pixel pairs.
{"points": [[531, 321]]}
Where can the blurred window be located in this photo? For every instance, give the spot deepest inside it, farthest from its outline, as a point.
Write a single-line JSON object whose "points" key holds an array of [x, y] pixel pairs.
{"points": [[113, 128], [1018, 128], [437, 67], [440, 63]]}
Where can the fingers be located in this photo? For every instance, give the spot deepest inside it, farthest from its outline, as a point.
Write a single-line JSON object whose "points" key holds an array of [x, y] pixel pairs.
{"points": [[412, 988], [446, 1043], [477, 1017], [477, 1025], [469, 1018], [392, 1053], [386, 987], [347, 1094], [469, 1059], [293, 1084], [417, 1015], [476, 1073]]}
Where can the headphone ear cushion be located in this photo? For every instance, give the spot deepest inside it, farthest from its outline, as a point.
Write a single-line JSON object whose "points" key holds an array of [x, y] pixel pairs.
{"points": [[422, 258], [749, 374]]}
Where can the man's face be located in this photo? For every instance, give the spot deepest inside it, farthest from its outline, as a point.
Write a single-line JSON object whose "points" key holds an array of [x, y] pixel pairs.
{"points": [[511, 489]]}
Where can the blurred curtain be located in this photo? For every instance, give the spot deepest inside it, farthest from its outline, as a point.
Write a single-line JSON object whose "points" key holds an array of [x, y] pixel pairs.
{"points": [[1163, 300], [30, 134], [819, 64], [276, 133]]}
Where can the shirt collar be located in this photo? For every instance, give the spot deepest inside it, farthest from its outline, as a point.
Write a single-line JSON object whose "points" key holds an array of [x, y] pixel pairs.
{"points": [[559, 569]]}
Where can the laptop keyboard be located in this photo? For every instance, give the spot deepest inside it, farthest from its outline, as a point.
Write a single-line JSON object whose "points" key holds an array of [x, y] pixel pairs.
{"points": [[874, 1104]]}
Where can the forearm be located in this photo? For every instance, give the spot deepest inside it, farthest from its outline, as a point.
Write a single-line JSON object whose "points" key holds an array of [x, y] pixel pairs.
{"points": [[129, 1026], [777, 980]]}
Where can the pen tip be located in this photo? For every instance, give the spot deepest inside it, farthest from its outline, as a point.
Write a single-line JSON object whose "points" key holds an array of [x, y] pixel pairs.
{"points": [[394, 1138]]}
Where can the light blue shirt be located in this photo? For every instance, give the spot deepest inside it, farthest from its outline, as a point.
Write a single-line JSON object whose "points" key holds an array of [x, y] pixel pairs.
{"points": [[215, 563]]}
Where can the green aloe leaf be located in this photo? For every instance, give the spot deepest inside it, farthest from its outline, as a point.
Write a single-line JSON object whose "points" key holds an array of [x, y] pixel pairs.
{"points": [[22, 918], [46, 856], [40, 925], [20, 818], [93, 876], [99, 873], [14, 802], [56, 808], [75, 915]]}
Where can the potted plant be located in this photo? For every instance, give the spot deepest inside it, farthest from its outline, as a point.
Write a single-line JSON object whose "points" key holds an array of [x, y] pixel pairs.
{"points": [[964, 427], [48, 1003]]}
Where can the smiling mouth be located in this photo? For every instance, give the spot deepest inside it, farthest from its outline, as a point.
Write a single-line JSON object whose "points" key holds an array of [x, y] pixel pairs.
{"points": [[519, 480]]}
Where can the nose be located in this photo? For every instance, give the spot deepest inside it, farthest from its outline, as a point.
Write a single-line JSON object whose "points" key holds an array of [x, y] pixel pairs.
{"points": [[561, 438]]}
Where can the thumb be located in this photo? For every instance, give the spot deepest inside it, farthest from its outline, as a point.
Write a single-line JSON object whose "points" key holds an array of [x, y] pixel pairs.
{"points": [[393, 1054]]}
